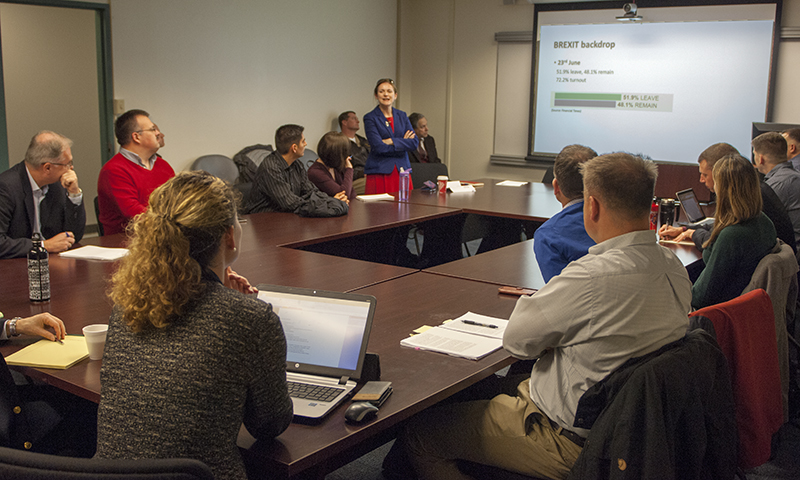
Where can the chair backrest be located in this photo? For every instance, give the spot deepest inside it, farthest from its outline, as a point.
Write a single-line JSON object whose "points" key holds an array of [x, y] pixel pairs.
{"points": [[217, 165], [777, 274], [668, 414], [745, 331], [421, 172], [248, 160], [244, 189], [21, 465], [548, 177], [308, 158], [97, 215]]}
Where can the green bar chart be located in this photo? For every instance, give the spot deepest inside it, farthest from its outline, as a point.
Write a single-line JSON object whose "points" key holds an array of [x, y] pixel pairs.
{"points": [[643, 102]]}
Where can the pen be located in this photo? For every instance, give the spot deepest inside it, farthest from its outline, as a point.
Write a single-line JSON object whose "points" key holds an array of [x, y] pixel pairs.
{"points": [[478, 324]]}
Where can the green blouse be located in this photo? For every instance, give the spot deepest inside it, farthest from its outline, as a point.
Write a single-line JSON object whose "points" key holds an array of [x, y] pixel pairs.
{"points": [[732, 259]]}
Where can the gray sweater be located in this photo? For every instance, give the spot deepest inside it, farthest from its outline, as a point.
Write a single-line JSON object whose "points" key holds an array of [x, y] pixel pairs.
{"points": [[184, 390]]}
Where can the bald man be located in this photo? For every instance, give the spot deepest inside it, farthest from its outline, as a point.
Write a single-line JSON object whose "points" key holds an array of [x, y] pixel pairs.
{"points": [[41, 195]]}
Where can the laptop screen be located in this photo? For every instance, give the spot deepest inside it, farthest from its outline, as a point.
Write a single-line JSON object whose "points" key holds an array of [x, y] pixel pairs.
{"points": [[326, 332], [690, 205]]}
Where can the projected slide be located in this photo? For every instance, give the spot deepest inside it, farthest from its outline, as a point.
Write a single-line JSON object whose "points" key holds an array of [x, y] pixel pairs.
{"points": [[668, 90]]}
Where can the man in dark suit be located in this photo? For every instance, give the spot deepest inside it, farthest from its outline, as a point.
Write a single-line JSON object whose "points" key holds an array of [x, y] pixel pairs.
{"points": [[359, 147], [426, 153], [41, 194]]}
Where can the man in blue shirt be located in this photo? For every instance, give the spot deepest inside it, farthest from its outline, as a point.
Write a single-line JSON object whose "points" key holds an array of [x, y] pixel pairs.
{"points": [[563, 238]]}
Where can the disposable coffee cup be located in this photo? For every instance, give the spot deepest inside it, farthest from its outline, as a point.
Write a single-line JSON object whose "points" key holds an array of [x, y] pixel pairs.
{"points": [[95, 336], [441, 183]]}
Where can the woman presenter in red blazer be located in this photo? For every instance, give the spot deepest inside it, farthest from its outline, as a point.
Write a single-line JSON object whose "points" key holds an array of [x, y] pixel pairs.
{"points": [[390, 137]]}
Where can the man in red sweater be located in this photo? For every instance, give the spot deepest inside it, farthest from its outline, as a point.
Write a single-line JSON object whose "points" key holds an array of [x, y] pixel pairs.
{"points": [[126, 181]]}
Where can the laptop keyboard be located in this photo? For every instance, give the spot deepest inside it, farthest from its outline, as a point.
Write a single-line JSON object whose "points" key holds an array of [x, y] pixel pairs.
{"points": [[313, 392]]}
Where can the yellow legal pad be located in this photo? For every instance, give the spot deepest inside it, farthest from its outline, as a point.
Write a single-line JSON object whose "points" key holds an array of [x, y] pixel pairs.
{"points": [[47, 354]]}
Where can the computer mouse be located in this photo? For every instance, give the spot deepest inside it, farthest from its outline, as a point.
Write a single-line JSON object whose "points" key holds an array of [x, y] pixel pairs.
{"points": [[360, 412]]}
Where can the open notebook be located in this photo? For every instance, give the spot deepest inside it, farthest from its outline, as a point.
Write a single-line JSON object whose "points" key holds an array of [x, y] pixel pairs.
{"points": [[326, 336]]}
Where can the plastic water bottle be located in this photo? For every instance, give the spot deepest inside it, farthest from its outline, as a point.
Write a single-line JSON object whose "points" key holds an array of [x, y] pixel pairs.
{"points": [[38, 271], [405, 183]]}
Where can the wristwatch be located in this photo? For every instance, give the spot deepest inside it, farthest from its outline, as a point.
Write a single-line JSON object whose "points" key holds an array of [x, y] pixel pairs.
{"points": [[75, 195], [12, 327]]}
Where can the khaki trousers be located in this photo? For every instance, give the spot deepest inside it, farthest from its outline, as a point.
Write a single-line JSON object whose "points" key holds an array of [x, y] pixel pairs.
{"points": [[506, 432]]}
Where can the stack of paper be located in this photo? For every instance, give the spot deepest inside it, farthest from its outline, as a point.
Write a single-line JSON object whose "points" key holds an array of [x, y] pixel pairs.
{"points": [[470, 336], [91, 252], [511, 183], [47, 354], [375, 197]]}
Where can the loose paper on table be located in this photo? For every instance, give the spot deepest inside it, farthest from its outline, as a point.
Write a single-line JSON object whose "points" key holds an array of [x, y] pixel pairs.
{"points": [[374, 197], [92, 252], [454, 338], [511, 183]]}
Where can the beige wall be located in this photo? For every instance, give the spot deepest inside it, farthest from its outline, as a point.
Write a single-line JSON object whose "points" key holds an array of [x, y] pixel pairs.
{"points": [[787, 101], [50, 76], [467, 66], [219, 76], [453, 76]]}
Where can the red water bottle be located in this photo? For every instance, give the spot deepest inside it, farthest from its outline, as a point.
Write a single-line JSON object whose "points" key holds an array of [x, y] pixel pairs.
{"points": [[654, 214]]}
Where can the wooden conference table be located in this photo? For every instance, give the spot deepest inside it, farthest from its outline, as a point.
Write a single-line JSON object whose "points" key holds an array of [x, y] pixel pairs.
{"points": [[407, 298], [532, 201]]}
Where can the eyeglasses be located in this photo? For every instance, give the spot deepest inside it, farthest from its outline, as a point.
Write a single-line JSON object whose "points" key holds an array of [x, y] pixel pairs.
{"points": [[154, 129], [69, 164]]}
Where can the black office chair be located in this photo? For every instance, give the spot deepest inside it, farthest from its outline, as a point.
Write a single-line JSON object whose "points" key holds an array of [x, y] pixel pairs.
{"points": [[687, 382], [244, 189], [548, 177], [421, 172], [218, 165], [21, 465], [308, 158], [97, 215]]}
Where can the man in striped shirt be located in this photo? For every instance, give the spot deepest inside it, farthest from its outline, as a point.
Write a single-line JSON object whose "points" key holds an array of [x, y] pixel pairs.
{"points": [[282, 185]]}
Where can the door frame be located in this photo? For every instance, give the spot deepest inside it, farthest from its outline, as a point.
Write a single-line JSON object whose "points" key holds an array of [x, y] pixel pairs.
{"points": [[105, 81]]}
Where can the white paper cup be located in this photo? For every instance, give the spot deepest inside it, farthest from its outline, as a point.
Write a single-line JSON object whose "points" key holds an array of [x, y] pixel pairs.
{"points": [[95, 336]]}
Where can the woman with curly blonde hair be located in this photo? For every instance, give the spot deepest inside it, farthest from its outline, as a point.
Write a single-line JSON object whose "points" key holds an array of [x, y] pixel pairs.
{"points": [[189, 357], [741, 237]]}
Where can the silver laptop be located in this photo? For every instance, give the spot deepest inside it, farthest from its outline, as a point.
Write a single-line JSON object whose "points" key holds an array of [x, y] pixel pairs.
{"points": [[691, 207], [326, 337]]}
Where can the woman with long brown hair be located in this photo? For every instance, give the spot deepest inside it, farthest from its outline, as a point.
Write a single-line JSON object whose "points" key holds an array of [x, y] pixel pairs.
{"points": [[189, 357], [741, 237]]}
